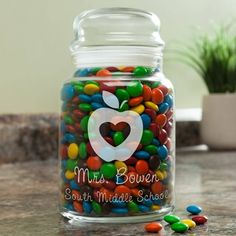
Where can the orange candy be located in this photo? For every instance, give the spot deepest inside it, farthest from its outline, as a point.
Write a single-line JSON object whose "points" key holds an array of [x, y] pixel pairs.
{"points": [[78, 207], [153, 227], [106, 194], [76, 195], [122, 190], [135, 101], [128, 69], [131, 179], [103, 72], [161, 120], [94, 163], [142, 167], [135, 192], [147, 93], [157, 187], [157, 96]]}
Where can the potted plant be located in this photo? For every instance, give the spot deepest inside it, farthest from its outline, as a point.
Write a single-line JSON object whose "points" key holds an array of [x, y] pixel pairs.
{"points": [[214, 59]]}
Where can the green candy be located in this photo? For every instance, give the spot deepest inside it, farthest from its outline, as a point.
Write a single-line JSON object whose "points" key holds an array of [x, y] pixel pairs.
{"points": [[151, 149], [108, 170], [84, 123], [133, 207], [155, 84], [147, 137], [124, 107], [141, 71], [96, 207], [171, 219], [179, 227], [163, 166], [85, 107], [135, 88], [94, 175], [118, 138], [92, 82], [82, 150], [71, 164], [68, 120], [79, 88], [95, 70], [75, 83], [122, 95]]}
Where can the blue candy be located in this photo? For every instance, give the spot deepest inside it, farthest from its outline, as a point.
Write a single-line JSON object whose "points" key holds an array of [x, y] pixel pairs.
{"points": [[147, 202], [67, 92], [163, 107], [74, 185], [143, 208], [119, 180], [142, 155], [156, 142], [97, 97], [63, 127], [162, 152], [120, 210], [69, 138], [87, 207], [63, 164], [84, 72], [194, 209], [119, 204], [96, 105], [146, 120], [169, 100], [69, 207], [156, 201], [85, 98]]}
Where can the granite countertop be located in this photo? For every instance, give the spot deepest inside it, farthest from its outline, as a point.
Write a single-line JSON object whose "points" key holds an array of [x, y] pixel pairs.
{"points": [[29, 198]]}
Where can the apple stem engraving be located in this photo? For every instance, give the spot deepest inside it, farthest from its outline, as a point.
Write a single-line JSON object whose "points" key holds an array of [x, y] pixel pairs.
{"points": [[110, 99]]}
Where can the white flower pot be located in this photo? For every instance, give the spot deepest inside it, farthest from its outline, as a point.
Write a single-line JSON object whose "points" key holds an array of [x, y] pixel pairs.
{"points": [[218, 126]]}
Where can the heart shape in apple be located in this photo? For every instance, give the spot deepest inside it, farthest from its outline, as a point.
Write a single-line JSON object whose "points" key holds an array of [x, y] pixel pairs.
{"points": [[102, 148]]}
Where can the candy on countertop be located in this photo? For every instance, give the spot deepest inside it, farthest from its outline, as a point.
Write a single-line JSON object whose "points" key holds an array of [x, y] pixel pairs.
{"points": [[171, 219], [200, 219], [153, 227], [191, 224], [194, 209], [179, 227]]}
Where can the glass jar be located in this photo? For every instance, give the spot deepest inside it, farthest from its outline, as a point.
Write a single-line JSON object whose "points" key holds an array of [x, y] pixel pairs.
{"points": [[117, 136]]}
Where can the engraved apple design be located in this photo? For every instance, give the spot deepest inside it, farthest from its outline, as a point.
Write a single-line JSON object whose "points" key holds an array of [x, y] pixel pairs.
{"points": [[102, 148]]}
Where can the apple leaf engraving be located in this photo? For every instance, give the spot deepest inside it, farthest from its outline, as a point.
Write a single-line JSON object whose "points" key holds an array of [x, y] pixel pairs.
{"points": [[110, 99]]}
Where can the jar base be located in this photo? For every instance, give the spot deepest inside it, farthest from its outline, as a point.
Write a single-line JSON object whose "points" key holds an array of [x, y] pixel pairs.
{"points": [[153, 216]]}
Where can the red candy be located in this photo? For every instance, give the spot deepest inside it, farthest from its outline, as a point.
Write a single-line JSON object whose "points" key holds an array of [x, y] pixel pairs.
{"points": [[200, 220], [157, 96], [94, 163], [147, 93], [164, 89], [135, 101]]}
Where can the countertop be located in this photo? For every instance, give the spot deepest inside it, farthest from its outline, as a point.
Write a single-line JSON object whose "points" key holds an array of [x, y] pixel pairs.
{"points": [[29, 198]]}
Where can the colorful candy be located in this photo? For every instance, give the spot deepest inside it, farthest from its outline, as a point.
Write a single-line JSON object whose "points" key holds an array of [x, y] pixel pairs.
{"points": [[171, 219], [153, 227], [194, 209], [199, 220], [179, 227], [140, 184]]}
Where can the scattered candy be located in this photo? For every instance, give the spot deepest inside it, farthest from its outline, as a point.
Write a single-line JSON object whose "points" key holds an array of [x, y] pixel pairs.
{"points": [[194, 209], [200, 220], [171, 219], [191, 224], [153, 227], [179, 227]]}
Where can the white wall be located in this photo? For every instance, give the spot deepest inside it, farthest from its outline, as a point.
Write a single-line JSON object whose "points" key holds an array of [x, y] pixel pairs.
{"points": [[35, 34]]}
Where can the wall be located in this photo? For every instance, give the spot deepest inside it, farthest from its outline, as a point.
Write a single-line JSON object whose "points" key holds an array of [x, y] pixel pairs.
{"points": [[34, 39]]}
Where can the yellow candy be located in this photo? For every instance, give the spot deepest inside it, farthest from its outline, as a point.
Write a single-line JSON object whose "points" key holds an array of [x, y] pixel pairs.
{"points": [[164, 173], [139, 109], [69, 175], [156, 207], [90, 89], [160, 175], [151, 105], [191, 224], [121, 167], [73, 151]]}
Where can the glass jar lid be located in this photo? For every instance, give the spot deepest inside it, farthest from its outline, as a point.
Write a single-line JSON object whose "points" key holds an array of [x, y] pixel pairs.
{"points": [[118, 36]]}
